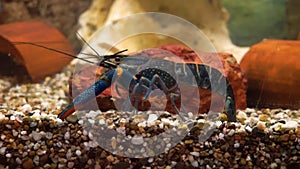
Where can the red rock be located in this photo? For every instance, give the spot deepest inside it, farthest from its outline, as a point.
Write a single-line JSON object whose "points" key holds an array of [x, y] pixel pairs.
{"points": [[33, 61], [272, 68], [231, 70]]}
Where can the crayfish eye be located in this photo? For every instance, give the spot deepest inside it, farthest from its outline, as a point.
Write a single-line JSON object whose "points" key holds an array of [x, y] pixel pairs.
{"points": [[117, 59]]}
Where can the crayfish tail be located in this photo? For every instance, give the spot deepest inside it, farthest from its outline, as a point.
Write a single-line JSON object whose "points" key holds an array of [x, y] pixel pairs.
{"points": [[67, 111]]}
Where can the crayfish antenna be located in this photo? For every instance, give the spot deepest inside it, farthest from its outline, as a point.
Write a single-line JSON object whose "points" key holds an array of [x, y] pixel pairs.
{"points": [[55, 50]]}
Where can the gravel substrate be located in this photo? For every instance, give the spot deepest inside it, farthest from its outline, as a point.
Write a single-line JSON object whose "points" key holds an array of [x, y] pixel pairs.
{"points": [[31, 136]]}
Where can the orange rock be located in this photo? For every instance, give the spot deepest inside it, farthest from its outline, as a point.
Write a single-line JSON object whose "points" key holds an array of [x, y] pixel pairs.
{"points": [[272, 68], [232, 71], [31, 60]]}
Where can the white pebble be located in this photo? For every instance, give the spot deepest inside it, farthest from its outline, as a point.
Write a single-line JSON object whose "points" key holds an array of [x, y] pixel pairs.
{"points": [[26, 108], [221, 136], [49, 135], [196, 154], [231, 132], [15, 133], [219, 123], [92, 121], [137, 140], [190, 115], [241, 115], [33, 124], [236, 145], [101, 122], [69, 154], [248, 128], [8, 155], [191, 158], [2, 116], [195, 164], [150, 160], [142, 124], [36, 160], [290, 125], [80, 122], [92, 114], [2, 150], [36, 136], [12, 118], [161, 125], [3, 136], [78, 152], [23, 132], [67, 135], [152, 118]]}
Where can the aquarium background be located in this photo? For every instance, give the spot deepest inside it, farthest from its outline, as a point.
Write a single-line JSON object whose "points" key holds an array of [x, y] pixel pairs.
{"points": [[255, 20]]}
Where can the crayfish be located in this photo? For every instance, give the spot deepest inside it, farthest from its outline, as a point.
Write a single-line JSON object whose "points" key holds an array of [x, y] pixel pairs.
{"points": [[150, 76]]}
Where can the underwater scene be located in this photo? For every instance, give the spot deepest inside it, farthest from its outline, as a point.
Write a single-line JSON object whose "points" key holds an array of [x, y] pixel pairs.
{"points": [[121, 84]]}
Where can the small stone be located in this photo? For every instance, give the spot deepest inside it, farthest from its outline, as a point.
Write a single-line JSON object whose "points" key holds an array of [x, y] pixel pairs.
{"points": [[195, 164], [71, 164], [188, 141], [8, 155], [273, 165], [284, 137], [110, 158], [196, 154], [28, 163], [263, 117], [223, 117], [33, 124], [241, 116], [67, 135], [36, 160], [261, 126], [248, 128], [231, 132], [290, 125], [2, 150], [49, 135], [26, 108], [114, 143], [137, 140], [78, 152], [152, 118], [72, 118], [150, 160], [236, 145]]}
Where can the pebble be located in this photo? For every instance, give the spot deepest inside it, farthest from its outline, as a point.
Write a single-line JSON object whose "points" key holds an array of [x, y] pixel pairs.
{"points": [[71, 164], [152, 118], [36, 136], [78, 152], [28, 163], [110, 158], [241, 115], [137, 140], [290, 125], [67, 135]]}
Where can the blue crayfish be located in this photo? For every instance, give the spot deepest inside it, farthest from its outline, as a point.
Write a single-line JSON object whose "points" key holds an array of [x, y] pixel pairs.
{"points": [[152, 77]]}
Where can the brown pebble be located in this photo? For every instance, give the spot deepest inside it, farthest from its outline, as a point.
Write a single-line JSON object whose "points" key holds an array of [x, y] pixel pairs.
{"points": [[284, 137], [110, 158], [32, 153], [28, 163], [43, 159]]}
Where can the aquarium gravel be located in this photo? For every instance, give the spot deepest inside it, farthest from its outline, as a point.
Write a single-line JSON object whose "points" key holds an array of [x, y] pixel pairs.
{"points": [[31, 136]]}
